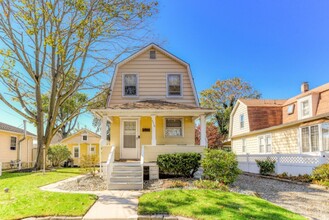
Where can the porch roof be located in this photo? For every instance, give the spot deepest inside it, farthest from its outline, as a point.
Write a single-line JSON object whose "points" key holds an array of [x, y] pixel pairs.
{"points": [[152, 107]]}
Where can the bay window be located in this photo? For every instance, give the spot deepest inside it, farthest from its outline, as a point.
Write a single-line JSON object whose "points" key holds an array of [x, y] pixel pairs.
{"points": [[325, 136], [315, 138]]}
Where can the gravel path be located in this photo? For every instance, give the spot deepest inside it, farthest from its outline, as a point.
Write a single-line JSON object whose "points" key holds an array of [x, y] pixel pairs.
{"points": [[302, 199]]}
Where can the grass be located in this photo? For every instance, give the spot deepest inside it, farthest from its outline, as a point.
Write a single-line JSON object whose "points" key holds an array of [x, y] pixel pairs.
{"points": [[25, 199], [211, 204]]}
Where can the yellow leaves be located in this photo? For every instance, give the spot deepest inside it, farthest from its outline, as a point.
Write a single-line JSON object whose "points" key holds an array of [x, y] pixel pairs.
{"points": [[50, 40]]}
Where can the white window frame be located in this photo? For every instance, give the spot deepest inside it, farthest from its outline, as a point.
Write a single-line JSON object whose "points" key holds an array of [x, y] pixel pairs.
{"points": [[165, 127], [321, 137], [16, 142], [76, 147], [181, 85], [300, 109], [242, 122], [244, 146], [300, 141], [83, 136], [291, 109], [155, 54], [265, 137], [123, 85], [89, 150]]}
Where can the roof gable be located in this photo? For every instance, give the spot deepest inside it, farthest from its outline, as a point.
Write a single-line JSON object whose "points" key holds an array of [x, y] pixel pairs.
{"points": [[13, 129], [80, 133], [153, 46]]}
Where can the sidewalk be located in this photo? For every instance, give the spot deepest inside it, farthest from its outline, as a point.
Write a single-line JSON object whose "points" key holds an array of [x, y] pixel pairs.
{"points": [[113, 204]]}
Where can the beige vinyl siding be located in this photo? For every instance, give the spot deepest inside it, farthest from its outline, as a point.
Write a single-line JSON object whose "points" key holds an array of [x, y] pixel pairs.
{"points": [[152, 78], [77, 139], [6, 155], [284, 141], [241, 109]]}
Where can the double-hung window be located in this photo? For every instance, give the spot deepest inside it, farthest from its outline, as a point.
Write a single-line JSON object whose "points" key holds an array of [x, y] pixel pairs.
{"points": [[174, 85], [265, 143], [305, 107], [130, 85], [325, 136], [242, 121], [76, 151], [13, 143], [174, 127], [85, 137], [92, 150], [243, 145]]}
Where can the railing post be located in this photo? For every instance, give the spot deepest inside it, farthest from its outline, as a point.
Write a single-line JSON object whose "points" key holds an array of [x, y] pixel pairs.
{"points": [[323, 158], [278, 164], [247, 162]]}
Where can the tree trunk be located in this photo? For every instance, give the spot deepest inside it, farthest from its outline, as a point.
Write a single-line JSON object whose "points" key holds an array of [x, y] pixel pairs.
{"points": [[40, 129]]}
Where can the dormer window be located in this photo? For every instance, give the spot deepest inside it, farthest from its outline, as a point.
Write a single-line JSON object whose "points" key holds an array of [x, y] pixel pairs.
{"points": [[305, 107], [152, 55], [130, 85], [174, 85], [242, 121], [291, 109]]}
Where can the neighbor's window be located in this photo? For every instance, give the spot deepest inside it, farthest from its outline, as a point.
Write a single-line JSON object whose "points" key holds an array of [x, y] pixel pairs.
{"points": [[174, 85], [13, 143], [152, 54], [174, 127], [243, 145], [325, 136], [85, 137], [130, 84], [92, 149], [310, 138], [76, 152], [242, 121], [305, 105], [265, 143]]}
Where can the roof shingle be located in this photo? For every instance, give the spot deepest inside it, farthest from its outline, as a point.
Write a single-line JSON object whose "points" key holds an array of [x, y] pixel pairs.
{"points": [[6, 127]]}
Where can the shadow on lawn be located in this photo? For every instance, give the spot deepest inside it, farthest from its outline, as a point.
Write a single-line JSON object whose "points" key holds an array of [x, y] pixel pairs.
{"points": [[7, 175]]}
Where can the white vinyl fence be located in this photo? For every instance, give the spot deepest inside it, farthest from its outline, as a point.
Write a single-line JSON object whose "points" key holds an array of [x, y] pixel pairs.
{"points": [[0, 168], [293, 164]]}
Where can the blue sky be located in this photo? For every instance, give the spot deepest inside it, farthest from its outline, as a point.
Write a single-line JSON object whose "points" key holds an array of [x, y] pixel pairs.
{"points": [[274, 44]]}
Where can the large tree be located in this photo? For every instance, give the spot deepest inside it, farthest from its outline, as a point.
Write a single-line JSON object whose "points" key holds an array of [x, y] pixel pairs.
{"points": [[61, 48], [222, 97]]}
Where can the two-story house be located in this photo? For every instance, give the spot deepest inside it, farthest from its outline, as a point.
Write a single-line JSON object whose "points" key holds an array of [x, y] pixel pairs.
{"points": [[299, 125], [152, 108]]}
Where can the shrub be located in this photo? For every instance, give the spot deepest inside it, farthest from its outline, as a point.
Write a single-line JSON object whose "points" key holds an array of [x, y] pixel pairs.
{"points": [[209, 184], [321, 173], [185, 164], [266, 166], [220, 165], [57, 154], [90, 163]]}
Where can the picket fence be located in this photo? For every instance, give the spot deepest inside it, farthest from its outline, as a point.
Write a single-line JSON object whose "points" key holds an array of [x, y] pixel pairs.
{"points": [[292, 164]]}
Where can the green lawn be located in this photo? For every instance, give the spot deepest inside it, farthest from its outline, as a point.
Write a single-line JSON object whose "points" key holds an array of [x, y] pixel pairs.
{"points": [[25, 199], [211, 204]]}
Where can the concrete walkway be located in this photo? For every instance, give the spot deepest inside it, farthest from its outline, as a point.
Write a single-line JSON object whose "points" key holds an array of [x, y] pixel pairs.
{"points": [[115, 204]]}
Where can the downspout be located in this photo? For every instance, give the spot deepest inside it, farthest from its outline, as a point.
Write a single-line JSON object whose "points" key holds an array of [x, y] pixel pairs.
{"points": [[20, 148]]}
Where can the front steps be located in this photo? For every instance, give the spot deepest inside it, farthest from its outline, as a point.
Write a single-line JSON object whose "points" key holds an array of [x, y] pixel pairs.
{"points": [[126, 176]]}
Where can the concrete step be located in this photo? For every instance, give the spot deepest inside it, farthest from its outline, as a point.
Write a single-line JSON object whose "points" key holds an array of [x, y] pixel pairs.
{"points": [[126, 173], [127, 168], [127, 179], [125, 185]]}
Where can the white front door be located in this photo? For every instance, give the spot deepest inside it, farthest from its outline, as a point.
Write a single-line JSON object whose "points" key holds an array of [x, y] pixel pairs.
{"points": [[129, 138]]}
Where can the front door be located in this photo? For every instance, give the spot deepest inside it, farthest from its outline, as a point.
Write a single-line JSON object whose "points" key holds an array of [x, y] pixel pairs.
{"points": [[130, 139]]}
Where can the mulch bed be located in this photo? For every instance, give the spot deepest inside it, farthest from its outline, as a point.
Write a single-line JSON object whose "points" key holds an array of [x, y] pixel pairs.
{"points": [[85, 183]]}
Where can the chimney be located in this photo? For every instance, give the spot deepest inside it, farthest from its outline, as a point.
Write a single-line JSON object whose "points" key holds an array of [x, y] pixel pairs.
{"points": [[305, 87]]}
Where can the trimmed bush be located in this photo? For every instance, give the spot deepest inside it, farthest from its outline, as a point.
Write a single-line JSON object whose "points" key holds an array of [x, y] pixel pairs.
{"points": [[57, 154], [220, 166], [320, 174], [266, 167], [180, 164], [209, 184]]}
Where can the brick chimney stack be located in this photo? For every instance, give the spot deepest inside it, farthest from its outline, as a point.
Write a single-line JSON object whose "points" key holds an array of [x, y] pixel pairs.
{"points": [[305, 87]]}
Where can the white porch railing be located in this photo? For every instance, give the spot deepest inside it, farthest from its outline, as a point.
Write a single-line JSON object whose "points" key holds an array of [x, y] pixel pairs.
{"points": [[109, 164], [142, 162], [293, 164], [151, 153]]}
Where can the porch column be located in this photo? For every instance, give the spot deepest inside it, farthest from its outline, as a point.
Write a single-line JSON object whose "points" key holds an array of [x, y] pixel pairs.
{"points": [[103, 140], [154, 139], [203, 137]]}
